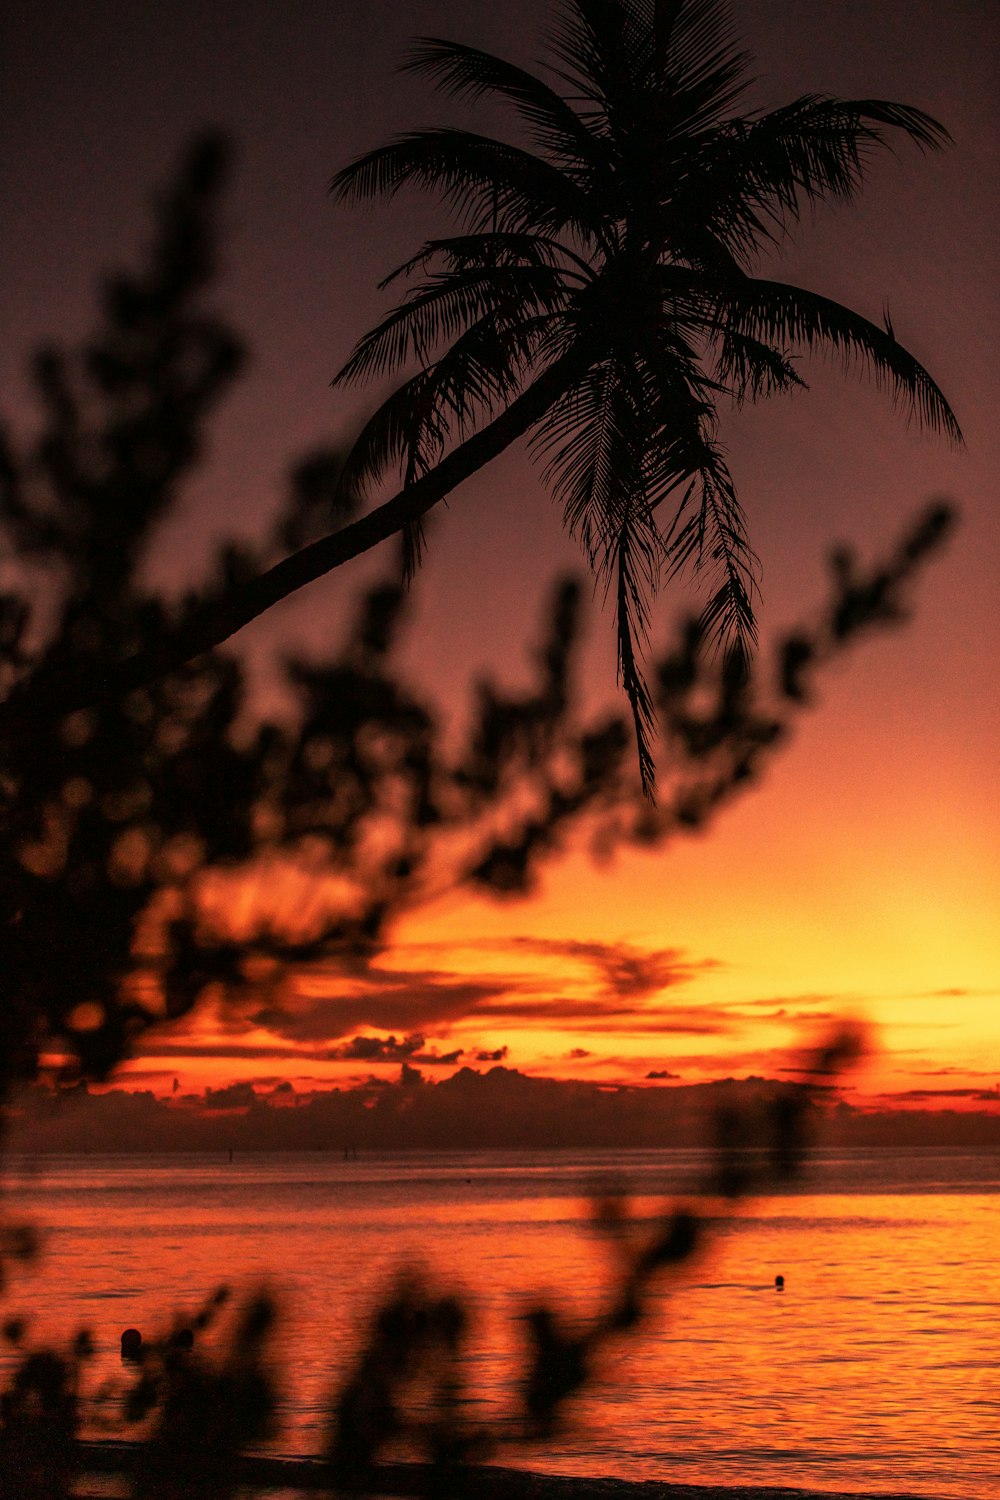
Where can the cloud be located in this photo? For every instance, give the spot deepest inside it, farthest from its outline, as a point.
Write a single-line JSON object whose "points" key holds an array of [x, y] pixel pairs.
{"points": [[950, 1070], [661, 1073], [501, 1107], [840, 1001], [625, 971], [152, 1075], [180, 1047], [377, 1048], [794, 1017], [233, 1096], [412, 1000], [971, 1092], [611, 1014], [390, 1049], [768, 1060], [497, 1055]]}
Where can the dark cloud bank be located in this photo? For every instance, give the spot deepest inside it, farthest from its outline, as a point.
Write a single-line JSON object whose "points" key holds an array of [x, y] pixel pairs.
{"points": [[499, 1107]]}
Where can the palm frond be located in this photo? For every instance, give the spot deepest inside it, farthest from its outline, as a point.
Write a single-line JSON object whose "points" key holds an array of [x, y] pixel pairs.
{"points": [[701, 71], [595, 443], [466, 252], [778, 313], [633, 559], [441, 309], [709, 533], [752, 369], [488, 182], [926, 133], [688, 34], [593, 44], [414, 542], [728, 615], [754, 177], [597, 289], [556, 128], [819, 146], [405, 435], [481, 372], [591, 444]]}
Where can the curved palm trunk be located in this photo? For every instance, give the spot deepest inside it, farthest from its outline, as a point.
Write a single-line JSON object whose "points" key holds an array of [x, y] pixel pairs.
{"points": [[60, 691]]}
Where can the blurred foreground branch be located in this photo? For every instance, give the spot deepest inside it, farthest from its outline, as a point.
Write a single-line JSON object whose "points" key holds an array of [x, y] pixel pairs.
{"points": [[128, 825], [131, 817], [404, 1421]]}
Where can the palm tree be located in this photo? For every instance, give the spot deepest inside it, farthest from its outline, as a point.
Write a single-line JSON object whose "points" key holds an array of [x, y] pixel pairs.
{"points": [[600, 293]]}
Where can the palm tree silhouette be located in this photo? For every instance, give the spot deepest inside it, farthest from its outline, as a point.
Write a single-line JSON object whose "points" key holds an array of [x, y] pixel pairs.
{"points": [[600, 293]]}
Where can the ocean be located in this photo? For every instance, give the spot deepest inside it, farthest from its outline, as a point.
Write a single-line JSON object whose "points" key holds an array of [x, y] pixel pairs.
{"points": [[876, 1368]]}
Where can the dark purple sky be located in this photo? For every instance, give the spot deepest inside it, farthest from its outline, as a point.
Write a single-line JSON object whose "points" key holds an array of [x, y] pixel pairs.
{"points": [[98, 98]]}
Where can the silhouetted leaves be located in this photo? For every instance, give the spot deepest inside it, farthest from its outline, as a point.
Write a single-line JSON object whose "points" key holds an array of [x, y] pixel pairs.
{"points": [[407, 1383], [115, 815], [602, 293], [207, 1410], [39, 1416], [122, 811]]}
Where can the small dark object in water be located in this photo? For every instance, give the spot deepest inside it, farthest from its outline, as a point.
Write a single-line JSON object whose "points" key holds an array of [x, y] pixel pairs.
{"points": [[131, 1344], [779, 1283], [182, 1339]]}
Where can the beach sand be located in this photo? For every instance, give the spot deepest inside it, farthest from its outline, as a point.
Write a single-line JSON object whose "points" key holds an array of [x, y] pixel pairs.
{"points": [[407, 1481]]}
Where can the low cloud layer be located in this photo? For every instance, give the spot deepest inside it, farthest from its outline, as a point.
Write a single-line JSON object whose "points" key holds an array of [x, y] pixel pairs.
{"points": [[498, 1107], [389, 1049]]}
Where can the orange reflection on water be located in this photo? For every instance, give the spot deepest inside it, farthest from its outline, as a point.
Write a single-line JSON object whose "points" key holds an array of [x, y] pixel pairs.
{"points": [[875, 1368]]}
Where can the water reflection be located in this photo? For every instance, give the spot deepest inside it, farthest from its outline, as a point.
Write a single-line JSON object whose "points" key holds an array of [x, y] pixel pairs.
{"points": [[876, 1368]]}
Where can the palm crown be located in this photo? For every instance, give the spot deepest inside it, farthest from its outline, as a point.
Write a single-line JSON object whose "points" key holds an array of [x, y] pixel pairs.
{"points": [[600, 292]]}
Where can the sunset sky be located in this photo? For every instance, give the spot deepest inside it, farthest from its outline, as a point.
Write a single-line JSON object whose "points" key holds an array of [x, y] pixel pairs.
{"points": [[863, 878]]}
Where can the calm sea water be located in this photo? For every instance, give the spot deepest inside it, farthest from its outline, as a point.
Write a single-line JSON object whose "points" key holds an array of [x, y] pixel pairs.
{"points": [[877, 1368]]}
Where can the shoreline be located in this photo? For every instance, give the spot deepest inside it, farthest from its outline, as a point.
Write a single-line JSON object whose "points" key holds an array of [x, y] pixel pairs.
{"points": [[408, 1481]]}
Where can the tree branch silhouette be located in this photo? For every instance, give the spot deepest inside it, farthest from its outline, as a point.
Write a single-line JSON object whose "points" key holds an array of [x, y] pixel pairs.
{"points": [[115, 814], [131, 806]]}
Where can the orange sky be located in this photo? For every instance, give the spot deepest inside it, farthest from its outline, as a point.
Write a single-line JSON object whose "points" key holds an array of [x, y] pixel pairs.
{"points": [[863, 877]]}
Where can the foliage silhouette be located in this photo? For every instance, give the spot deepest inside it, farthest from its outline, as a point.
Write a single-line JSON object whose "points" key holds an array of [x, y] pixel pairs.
{"points": [[418, 1332], [602, 295], [400, 1421], [119, 817], [126, 807]]}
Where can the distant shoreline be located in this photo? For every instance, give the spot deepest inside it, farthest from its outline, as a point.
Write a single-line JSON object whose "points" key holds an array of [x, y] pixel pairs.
{"points": [[407, 1481], [500, 1109]]}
